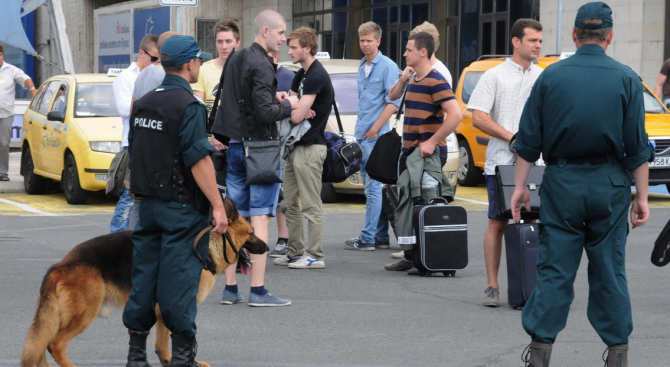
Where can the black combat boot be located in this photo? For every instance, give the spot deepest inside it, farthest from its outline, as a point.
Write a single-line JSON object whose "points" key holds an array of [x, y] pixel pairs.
{"points": [[184, 349], [537, 355], [137, 353], [617, 356]]}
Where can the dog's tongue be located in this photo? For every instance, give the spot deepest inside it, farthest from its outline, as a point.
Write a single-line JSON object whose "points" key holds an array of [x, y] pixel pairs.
{"points": [[246, 270]]}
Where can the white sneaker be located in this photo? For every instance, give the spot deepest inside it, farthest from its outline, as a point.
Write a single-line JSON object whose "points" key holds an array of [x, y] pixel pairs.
{"points": [[398, 255], [285, 260], [307, 262]]}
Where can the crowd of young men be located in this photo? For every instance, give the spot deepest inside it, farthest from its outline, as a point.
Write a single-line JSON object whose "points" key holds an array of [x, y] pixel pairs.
{"points": [[256, 93]]}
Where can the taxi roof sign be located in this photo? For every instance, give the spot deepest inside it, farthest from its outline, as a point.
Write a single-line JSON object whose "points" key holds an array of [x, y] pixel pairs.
{"points": [[565, 55], [323, 55], [114, 71]]}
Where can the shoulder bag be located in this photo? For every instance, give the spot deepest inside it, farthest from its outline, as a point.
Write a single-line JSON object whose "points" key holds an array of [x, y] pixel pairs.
{"points": [[343, 158], [382, 164]]}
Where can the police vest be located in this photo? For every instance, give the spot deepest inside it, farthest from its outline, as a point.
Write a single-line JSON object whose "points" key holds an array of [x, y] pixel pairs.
{"points": [[157, 167]]}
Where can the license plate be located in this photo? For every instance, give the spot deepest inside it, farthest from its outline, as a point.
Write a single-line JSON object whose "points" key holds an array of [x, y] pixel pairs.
{"points": [[660, 162]]}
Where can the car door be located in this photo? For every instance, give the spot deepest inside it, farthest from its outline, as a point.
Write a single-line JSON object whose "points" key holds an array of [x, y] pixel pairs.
{"points": [[37, 126], [54, 143]]}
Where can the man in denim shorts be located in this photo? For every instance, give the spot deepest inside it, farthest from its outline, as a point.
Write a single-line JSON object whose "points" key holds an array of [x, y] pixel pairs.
{"points": [[253, 114]]}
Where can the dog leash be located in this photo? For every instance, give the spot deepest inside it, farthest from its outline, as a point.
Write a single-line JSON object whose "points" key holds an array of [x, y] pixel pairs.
{"points": [[226, 239]]}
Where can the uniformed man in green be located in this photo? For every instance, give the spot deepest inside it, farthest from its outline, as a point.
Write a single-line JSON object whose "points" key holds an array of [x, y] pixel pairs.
{"points": [[174, 175], [585, 115]]}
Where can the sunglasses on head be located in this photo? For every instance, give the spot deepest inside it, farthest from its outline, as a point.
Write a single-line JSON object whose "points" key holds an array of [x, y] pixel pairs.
{"points": [[153, 58]]}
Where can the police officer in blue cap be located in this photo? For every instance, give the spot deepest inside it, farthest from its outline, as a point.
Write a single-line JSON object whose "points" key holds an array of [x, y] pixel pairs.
{"points": [[174, 175], [585, 115]]}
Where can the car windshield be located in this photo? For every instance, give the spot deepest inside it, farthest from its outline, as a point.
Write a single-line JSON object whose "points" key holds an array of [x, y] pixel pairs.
{"points": [[95, 100], [651, 104], [346, 92]]}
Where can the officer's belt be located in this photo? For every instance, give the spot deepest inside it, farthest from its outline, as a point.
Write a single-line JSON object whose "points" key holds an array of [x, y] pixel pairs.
{"points": [[593, 159]]}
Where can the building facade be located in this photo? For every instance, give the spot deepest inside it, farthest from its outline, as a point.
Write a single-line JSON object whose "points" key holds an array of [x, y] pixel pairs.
{"points": [[106, 33]]}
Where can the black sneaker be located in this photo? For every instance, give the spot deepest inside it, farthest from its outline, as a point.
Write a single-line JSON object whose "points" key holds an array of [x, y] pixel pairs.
{"points": [[357, 244], [382, 245]]}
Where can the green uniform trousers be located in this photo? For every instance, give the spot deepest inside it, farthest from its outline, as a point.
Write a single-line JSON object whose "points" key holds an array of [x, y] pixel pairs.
{"points": [[165, 269], [584, 207]]}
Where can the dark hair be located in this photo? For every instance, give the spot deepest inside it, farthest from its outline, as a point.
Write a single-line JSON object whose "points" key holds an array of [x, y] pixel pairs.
{"points": [[227, 25], [2, 49], [519, 28], [424, 40], [171, 69], [590, 35]]}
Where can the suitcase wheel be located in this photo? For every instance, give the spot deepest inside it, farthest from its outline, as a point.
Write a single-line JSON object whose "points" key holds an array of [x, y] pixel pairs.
{"points": [[424, 273], [451, 273]]}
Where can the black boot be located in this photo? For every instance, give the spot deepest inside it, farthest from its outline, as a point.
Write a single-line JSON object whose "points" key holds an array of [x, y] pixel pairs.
{"points": [[184, 349], [537, 354], [137, 353]]}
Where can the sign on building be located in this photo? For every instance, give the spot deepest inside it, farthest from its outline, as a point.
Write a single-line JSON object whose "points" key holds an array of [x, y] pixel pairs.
{"points": [[179, 2], [113, 41], [150, 21]]}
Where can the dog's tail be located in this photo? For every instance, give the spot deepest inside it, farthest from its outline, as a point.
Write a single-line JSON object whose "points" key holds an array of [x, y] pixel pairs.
{"points": [[46, 323]]}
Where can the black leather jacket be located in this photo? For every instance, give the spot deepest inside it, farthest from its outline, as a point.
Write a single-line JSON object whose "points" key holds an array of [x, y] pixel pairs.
{"points": [[248, 108]]}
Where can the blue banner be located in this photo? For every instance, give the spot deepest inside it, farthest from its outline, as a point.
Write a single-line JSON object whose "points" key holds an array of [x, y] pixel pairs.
{"points": [[150, 21], [113, 61]]}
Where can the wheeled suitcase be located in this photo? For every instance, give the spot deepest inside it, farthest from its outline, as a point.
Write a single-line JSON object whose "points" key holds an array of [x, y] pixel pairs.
{"points": [[441, 232], [521, 249]]}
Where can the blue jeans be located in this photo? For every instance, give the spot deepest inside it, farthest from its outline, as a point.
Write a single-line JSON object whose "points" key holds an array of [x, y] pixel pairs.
{"points": [[376, 225], [251, 201], [121, 215]]}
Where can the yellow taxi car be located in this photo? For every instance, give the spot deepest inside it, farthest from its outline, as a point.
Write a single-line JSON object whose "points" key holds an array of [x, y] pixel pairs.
{"points": [[343, 75], [473, 142], [71, 132]]}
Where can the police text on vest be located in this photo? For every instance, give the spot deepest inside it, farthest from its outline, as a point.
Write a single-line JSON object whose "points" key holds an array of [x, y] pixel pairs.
{"points": [[148, 123]]}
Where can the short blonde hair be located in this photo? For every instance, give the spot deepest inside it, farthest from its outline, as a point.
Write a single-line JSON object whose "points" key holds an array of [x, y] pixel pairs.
{"points": [[430, 29], [370, 27]]}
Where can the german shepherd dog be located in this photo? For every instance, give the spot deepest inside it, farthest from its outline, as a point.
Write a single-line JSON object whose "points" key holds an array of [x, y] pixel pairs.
{"points": [[96, 276]]}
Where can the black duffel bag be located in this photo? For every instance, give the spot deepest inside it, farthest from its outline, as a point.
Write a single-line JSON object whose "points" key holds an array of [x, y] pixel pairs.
{"points": [[660, 256], [505, 189], [343, 158], [382, 164]]}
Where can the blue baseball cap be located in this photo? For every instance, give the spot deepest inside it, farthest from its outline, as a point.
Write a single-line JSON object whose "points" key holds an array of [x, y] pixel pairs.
{"points": [[178, 50], [596, 10]]}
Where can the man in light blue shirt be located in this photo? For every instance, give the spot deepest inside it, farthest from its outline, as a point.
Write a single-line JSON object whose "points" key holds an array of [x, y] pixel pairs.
{"points": [[376, 74]]}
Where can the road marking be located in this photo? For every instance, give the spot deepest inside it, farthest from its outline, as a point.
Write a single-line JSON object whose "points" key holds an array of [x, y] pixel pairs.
{"points": [[471, 200], [55, 227], [28, 208]]}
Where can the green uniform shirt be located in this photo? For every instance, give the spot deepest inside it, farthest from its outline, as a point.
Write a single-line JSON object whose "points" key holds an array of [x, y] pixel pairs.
{"points": [[586, 105], [193, 139]]}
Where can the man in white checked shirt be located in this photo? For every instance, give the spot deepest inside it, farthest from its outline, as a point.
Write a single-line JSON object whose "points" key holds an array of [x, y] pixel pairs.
{"points": [[496, 105]]}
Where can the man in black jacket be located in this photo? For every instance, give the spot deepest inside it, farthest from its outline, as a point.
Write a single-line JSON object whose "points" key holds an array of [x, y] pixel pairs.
{"points": [[250, 111]]}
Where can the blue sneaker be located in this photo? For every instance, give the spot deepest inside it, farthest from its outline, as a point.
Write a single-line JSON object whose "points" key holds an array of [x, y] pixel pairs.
{"points": [[356, 244], [230, 298], [268, 300]]}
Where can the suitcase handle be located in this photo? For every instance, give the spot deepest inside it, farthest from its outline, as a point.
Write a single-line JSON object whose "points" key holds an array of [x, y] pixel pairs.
{"points": [[438, 200]]}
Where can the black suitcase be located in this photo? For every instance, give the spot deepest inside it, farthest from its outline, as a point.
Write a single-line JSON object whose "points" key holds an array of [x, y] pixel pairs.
{"points": [[521, 249], [441, 232], [390, 202]]}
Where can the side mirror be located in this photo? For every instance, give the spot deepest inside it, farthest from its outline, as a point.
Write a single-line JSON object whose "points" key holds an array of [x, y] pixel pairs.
{"points": [[55, 116]]}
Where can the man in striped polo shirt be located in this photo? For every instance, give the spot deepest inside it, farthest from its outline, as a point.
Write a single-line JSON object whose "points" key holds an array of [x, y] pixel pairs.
{"points": [[431, 110]]}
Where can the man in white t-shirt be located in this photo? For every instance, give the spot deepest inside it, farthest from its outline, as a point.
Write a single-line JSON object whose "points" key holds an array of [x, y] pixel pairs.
{"points": [[496, 105], [123, 93]]}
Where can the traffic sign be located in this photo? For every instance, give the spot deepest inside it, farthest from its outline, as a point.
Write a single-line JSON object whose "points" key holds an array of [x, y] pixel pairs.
{"points": [[179, 2]]}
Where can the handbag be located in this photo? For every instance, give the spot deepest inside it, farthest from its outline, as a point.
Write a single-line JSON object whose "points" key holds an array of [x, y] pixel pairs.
{"points": [[504, 181], [343, 158], [382, 164], [262, 159], [660, 256]]}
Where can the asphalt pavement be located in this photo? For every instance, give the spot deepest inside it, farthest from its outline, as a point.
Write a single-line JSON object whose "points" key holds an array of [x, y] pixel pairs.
{"points": [[353, 313]]}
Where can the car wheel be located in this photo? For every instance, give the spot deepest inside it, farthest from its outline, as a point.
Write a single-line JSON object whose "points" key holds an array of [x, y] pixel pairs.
{"points": [[667, 186], [32, 183], [74, 194], [328, 193], [468, 174]]}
